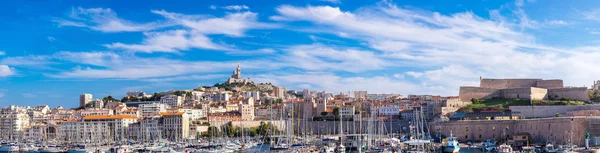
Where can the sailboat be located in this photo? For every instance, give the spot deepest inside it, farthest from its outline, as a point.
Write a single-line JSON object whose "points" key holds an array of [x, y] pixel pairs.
{"points": [[450, 144], [341, 148]]}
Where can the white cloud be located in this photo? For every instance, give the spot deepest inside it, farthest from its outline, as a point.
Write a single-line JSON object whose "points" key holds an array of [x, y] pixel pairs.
{"points": [[1, 95], [232, 24], [105, 20], [212, 7], [399, 76], [321, 57], [51, 39], [2, 53], [169, 41], [6, 71], [555, 22], [236, 7], [593, 15], [414, 74]]}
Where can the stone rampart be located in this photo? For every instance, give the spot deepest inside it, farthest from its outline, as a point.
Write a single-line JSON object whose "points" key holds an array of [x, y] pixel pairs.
{"points": [[579, 93], [549, 111], [508, 83], [468, 93], [516, 93], [550, 84]]}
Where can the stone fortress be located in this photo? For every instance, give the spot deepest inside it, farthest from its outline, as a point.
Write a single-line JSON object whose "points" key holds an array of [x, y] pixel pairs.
{"points": [[236, 77], [536, 89]]}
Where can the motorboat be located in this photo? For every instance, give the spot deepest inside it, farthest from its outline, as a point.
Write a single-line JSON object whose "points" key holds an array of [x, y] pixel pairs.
{"points": [[528, 149], [550, 148], [504, 148], [450, 145]]}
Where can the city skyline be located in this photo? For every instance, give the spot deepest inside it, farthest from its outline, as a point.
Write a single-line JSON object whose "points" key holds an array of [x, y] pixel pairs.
{"points": [[53, 52]]}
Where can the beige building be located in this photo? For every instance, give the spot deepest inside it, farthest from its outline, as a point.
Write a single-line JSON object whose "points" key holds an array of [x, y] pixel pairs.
{"points": [[175, 126], [246, 108], [106, 127]]}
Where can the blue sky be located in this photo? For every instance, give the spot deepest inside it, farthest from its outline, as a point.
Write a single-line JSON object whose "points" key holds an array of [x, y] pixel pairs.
{"points": [[53, 51]]}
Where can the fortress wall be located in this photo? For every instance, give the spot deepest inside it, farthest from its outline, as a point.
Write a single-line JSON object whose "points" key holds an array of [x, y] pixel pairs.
{"points": [[508, 83], [550, 111], [468, 93], [516, 93], [539, 93], [541, 130], [550, 84], [455, 103], [579, 93]]}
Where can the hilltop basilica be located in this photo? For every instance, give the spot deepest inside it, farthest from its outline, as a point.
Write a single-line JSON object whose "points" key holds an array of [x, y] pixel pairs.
{"points": [[236, 77]]}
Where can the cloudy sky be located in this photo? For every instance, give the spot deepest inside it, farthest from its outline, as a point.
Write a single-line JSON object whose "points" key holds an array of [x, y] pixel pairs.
{"points": [[53, 51]]}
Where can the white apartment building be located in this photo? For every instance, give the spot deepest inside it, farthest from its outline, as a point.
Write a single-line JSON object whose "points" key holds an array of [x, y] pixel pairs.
{"points": [[12, 125], [171, 100], [218, 96], [347, 111], [85, 99], [175, 125], [106, 127], [193, 114], [153, 109], [253, 94], [97, 103]]}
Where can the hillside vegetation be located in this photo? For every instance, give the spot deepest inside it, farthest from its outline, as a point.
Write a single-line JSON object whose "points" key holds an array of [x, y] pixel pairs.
{"points": [[503, 104]]}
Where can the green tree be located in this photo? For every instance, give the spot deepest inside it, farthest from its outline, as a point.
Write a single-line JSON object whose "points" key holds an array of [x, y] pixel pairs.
{"points": [[205, 123], [557, 115], [336, 111], [109, 98]]}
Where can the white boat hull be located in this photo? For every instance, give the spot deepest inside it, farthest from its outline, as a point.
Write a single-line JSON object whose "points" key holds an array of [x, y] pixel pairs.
{"points": [[9, 149], [452, 149]]}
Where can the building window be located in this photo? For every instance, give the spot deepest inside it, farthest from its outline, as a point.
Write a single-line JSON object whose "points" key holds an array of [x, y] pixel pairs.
{"points": [[467, 129], [466, 137]]}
